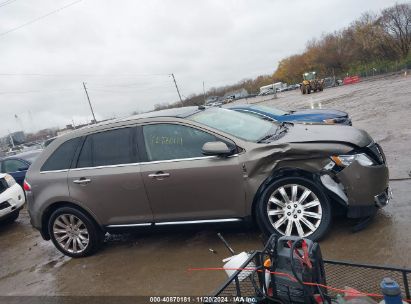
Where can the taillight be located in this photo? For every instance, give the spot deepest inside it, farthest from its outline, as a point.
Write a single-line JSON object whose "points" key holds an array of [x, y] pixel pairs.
{"points": [[26, 186]]}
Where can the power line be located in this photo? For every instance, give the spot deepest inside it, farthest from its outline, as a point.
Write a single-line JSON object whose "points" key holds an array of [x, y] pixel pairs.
{"points": [[38, 18], [130, 92], [132, 86], [36, 91], [7, 2], [80, 75]]}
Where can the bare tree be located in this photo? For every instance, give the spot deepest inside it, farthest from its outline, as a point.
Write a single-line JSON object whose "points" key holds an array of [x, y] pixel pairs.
{"points": [[396, 21]]}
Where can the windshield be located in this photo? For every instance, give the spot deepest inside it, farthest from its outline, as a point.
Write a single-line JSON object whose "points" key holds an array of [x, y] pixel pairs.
{"points": [[268, 109], [237, 124], [309, 76]]}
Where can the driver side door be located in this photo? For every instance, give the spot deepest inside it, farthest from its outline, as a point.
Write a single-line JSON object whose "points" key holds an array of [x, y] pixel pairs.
{"points": [[181, 183]]}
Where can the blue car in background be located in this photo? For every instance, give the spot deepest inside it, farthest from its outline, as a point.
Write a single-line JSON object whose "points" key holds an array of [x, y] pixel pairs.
{"points": [[18, 164], [315, 116]]}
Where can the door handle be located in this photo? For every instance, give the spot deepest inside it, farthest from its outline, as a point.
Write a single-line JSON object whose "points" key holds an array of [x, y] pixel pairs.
{"points": [[82, 181], [159, 175]]}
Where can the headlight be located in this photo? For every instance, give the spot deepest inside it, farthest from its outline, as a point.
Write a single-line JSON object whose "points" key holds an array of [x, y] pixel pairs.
{"points": [[346, 160], [9, 179], [330, 121]]}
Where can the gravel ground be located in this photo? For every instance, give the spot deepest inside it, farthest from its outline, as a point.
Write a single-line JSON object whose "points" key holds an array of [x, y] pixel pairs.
{"points": [[155, 262]]}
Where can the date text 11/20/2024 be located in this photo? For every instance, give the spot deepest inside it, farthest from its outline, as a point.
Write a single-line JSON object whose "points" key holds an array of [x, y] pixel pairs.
{"points": [[199, 299]]}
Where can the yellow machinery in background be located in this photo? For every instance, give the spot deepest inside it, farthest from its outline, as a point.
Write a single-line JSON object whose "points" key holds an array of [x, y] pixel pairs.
{"points": [[311, 83]]}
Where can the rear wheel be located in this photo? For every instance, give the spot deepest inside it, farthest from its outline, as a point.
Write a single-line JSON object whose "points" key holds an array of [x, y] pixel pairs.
{"points": [[294, 206], [74, 233]]}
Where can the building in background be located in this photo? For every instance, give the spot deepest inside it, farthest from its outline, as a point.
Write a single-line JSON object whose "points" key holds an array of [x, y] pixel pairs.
{"points": [[18, 137]]}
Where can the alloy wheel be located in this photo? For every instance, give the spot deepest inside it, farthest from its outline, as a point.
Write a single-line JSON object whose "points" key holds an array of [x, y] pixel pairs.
{"points": [[71, 233], [294, 210]]}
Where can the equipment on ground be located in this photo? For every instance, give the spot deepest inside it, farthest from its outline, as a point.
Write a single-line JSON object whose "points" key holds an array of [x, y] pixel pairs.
{"points": [[298, 260], [311, 83], [291, 270]]}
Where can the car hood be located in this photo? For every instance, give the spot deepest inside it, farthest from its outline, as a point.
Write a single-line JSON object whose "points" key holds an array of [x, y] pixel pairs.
{"points": [[300, 133], [315, 115]]}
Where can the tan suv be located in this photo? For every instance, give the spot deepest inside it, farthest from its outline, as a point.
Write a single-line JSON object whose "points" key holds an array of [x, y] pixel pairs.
{"points": [[201, 165]]}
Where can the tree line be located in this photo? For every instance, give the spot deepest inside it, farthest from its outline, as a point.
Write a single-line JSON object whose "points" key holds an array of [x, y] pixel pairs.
{"points": [[369, 43]]}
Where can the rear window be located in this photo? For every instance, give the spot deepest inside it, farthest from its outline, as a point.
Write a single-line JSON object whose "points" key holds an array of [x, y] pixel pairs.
{"points": [[107, 148], [62, 156]]}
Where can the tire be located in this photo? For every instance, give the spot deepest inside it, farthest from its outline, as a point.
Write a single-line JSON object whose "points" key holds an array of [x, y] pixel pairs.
{"points": [[69, 223], [308, 90], [294, 211]]}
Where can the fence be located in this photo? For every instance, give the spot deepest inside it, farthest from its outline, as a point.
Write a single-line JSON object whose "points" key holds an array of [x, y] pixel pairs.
{"points": [[339, 276]]}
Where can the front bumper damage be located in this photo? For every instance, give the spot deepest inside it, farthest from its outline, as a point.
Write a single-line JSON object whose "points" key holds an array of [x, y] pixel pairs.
{"points": [[363, 189]]}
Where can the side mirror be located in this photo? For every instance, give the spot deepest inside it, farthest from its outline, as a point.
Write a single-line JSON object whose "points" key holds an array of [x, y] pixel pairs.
{"points": [[23, 168], [216, 148]]}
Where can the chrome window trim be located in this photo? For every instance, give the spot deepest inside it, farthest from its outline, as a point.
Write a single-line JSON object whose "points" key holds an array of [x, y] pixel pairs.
{"points": [[183, 159], [176, 160], [54, 171], [136, 164], [105, 166]]}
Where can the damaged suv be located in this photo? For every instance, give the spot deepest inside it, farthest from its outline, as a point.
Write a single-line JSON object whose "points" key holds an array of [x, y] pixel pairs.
{"points": [[202, 165]]}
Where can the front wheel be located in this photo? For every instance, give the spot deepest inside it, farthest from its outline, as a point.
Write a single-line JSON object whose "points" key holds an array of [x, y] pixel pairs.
{"points": [[73, 232], [294, 206]]}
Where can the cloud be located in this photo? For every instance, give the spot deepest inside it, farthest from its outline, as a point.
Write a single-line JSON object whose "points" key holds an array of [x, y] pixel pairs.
{"points": [[125, 50]]}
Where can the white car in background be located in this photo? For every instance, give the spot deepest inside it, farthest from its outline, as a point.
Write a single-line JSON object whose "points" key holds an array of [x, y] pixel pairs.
{"points": [[12, 198]]}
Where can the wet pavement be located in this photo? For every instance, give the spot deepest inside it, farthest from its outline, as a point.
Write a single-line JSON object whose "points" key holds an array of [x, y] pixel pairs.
{"points": [[155, 261]]}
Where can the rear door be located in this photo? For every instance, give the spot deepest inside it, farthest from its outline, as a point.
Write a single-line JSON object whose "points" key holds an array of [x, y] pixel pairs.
{"points": [[182, 183], [107, 178]]}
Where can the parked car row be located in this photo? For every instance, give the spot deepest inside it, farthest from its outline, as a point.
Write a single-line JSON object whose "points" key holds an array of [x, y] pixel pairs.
{"points": [[203, 165], [11, 198], [18, 164], [12, 173]]}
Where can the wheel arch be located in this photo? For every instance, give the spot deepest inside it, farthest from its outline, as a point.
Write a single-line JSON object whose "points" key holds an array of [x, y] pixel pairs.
{"points": [[56, 205], [277, 174]]}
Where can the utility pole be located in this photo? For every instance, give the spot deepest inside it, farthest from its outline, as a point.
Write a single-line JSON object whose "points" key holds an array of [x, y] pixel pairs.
{"points": [[172, 75], [204, 94], [11, 139], [89, 102]]}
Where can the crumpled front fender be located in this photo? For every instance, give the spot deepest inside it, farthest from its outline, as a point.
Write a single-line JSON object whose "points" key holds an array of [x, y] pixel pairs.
{"points": [[363, 183]]}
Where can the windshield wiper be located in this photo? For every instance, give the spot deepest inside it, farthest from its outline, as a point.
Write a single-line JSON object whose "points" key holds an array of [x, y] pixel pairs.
{"points": [[271, 135], [282, 128]]}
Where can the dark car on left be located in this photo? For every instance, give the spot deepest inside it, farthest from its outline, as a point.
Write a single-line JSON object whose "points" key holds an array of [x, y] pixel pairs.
{"points": [[18, 164]]}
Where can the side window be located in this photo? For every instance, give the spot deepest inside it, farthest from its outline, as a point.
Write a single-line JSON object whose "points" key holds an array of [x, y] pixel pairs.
{"points": [[62, 156], [13, 165], [172, 141], [107, 148]]}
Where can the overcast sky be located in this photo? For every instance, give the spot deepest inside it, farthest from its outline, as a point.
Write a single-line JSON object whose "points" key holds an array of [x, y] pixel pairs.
{"points": [[125, 51]]}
